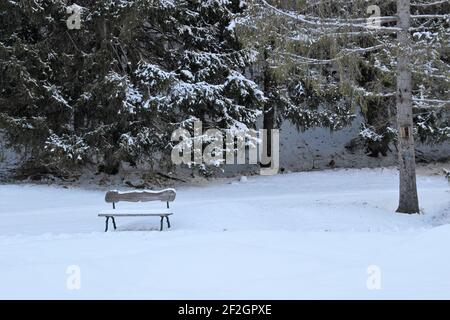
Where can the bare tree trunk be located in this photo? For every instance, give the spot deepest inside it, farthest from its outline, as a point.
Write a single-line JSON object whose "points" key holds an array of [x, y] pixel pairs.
{"points": [[268, 113], [408, 202]]}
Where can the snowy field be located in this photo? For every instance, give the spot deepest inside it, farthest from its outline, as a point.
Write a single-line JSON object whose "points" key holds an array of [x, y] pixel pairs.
{"points": [[293, 236]]}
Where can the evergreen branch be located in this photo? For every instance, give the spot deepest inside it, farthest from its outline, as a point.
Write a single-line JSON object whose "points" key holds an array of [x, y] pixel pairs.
{"points": [[427, 4], [320, 23], [342, 54], [431, 100]]}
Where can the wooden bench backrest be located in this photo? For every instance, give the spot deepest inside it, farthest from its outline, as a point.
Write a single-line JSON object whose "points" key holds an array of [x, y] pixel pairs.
{"points": [[167, 195]]}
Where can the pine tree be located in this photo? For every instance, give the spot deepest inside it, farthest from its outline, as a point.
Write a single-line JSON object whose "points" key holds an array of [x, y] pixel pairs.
{"points": [[335, 45], [115, 89], [292, 88]]}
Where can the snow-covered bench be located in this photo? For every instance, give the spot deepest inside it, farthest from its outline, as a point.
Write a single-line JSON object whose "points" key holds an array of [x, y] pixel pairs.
{"points": [[167, 195]]}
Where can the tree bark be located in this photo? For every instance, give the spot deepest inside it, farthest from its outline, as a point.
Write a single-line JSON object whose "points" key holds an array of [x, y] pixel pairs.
{"points": [[408, 202], [268, 112]]}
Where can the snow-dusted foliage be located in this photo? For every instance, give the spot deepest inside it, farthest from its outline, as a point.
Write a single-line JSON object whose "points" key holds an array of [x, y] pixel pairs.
{"points": [[115, 89], [330, 50]]}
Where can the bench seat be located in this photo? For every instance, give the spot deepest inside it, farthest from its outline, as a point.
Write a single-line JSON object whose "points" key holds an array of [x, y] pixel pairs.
{"points": [[134, 213]]}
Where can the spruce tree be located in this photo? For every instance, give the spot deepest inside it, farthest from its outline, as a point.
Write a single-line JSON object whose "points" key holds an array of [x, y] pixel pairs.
{"points": [[115, 89]]}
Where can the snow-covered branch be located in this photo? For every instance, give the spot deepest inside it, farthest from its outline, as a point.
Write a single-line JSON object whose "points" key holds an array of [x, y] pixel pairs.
{"points": [[430, 16], [321, 23], [428, 4], [343, 53], [430, 100]]}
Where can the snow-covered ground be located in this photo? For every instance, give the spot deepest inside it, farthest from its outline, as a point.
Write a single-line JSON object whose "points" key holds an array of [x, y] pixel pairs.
{"points": [[292, 236]]}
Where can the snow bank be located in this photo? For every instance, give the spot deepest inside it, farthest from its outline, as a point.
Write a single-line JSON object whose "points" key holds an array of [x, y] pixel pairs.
{"points": [[303, 235]]}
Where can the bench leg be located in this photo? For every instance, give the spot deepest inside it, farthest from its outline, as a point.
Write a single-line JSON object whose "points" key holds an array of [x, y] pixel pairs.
{"points": [[162, 220], [168, 222], [106, 227], [114, 223]]}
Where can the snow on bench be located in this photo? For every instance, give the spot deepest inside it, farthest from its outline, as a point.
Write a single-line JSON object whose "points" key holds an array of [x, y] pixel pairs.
{"points": [[114, 196]]}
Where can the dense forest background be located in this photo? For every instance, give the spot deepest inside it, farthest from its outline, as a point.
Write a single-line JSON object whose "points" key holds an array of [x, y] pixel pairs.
{"points": [[114, 90]]}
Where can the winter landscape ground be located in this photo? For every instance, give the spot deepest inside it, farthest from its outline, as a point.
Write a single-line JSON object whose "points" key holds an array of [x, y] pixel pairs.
{"points": [[290, 236]]}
